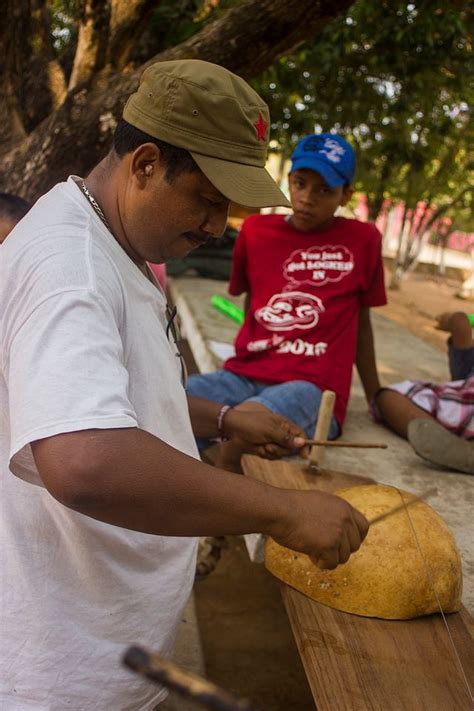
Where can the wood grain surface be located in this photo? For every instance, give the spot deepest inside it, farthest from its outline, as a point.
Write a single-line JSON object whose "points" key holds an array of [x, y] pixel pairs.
{"points": [[355, 663]]}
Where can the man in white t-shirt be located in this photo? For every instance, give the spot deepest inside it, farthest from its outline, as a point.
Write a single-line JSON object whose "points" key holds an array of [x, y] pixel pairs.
{"points": [[102, 491]]}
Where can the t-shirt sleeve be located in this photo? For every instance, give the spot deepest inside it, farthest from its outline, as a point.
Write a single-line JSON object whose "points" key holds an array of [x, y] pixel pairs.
{"points": [[238, 283], [65, 369], [373, 292]]}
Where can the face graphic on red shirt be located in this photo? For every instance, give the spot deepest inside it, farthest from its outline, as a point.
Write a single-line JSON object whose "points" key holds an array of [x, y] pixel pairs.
{"points": [[290, 310]]}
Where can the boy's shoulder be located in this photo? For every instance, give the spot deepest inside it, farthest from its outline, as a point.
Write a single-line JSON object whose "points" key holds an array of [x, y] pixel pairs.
{"points": [[354, 226]]}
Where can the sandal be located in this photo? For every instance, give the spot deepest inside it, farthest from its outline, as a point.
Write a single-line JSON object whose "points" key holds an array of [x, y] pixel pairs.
{"points": [[208, 556]]}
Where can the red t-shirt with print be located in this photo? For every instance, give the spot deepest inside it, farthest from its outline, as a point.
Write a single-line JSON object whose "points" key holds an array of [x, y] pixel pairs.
{"points": [[306, 290]]}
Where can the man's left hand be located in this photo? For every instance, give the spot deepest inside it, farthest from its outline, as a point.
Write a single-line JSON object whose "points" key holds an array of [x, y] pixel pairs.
{"points": [[264, 432]]}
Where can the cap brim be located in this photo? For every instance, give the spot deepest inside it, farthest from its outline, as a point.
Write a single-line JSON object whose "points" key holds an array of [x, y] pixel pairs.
{"points": [[332, 178], [247, 185]]}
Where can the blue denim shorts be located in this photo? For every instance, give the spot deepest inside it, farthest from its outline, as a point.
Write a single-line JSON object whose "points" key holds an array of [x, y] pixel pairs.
{"points": [[297, 400]]}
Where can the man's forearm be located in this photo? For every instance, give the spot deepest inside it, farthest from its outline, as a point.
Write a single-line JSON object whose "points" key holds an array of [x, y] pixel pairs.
{"points": [[130, 478], [167, 493]]}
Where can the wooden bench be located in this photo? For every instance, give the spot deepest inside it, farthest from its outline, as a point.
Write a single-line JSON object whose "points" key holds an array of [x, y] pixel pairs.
{"points": [[356, 663]]}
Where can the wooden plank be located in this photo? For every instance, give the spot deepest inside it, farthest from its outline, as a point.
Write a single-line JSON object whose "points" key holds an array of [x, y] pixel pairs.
{"points": [[359, 663], [296, 475], [365, 664]]}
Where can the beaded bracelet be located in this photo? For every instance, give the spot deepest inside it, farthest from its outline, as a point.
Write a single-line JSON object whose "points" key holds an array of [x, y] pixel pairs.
{"points": [[220, 422]]}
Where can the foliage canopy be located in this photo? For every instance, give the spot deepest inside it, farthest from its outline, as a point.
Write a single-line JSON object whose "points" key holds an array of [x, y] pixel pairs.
{"points": [[396, 77]]}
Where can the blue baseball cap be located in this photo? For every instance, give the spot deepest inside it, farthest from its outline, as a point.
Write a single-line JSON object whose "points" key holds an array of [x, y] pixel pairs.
{"points": [[327, 154]]}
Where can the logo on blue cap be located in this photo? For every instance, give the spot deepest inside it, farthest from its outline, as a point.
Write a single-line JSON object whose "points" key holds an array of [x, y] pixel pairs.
{"points": [[327, 154]]}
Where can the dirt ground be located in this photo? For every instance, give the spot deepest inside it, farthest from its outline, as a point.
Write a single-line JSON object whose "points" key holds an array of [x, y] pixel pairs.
{"points": [[420, 300], [247, 641]]}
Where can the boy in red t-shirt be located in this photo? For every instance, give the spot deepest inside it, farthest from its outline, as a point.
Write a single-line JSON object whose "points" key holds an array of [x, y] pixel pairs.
{"points": [[310, 279]]}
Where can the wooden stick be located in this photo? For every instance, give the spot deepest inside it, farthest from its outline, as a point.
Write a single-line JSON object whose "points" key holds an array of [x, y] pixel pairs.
{"points": [[157, 668], [337, 443]]}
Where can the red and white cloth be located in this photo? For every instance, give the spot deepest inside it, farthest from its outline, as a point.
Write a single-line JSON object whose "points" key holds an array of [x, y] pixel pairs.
{"points": [[452, 404]]}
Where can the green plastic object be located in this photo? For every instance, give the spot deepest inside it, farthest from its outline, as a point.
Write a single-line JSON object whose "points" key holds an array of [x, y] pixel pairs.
{"points": [[228, 308], [471, 319]]}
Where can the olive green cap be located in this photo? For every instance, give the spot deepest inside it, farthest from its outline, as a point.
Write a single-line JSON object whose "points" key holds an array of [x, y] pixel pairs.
{"points": [[217, 117]]}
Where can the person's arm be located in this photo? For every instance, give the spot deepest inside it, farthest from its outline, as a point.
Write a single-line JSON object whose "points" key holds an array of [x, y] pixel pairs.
{"points": [[247, 302], [365, 355], [255, 428], [130, 478]]}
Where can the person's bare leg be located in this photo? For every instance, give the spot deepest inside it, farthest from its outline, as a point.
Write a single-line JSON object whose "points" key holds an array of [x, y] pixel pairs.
{"points": [[397, 411], [459, 326], [229, 453]]}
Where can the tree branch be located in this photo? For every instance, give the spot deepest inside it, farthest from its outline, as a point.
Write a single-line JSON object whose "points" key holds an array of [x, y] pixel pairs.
{"points": [[245, 40], [250, 36], [127, 23], [440, 211]]}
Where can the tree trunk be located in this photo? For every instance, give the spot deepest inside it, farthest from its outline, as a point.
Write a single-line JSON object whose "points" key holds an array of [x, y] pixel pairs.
{"points": [[411, 256], [246, 39], [32, 82], [14, 36], [375, 203], [397, 270], [91, 43], [374, 207]]}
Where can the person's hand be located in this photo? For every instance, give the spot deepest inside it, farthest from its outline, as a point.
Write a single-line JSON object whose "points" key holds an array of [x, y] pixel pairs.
{"points": [[322, 525], [265, 433]]}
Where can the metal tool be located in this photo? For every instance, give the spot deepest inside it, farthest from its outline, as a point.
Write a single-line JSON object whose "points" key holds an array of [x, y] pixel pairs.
{"points": [[404, 505], [342, 443]]}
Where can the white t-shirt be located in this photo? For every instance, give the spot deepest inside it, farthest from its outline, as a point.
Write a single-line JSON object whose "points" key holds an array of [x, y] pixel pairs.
{"points": [[82, 345]]}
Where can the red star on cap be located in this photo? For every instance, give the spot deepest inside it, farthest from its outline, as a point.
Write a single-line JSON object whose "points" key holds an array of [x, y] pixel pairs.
{"points": [[261, 127]]}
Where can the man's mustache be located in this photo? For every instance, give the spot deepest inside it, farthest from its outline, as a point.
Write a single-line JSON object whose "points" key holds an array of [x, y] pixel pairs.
{"points": [[203, 239]]}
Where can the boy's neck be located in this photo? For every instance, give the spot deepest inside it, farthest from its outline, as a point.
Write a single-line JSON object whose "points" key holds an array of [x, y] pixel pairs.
{"points": [[320, 228]]}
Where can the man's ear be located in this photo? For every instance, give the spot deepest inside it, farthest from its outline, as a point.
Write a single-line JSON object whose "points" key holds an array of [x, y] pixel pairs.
{"points": [[347, 193], [145, 162]]}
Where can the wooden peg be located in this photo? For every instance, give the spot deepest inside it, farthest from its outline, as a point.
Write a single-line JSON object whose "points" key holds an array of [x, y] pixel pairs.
{"points": [[323, 425]]}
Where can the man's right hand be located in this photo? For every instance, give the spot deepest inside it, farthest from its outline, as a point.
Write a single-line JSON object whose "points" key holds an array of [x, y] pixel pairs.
{"points": [[322, 525]]}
